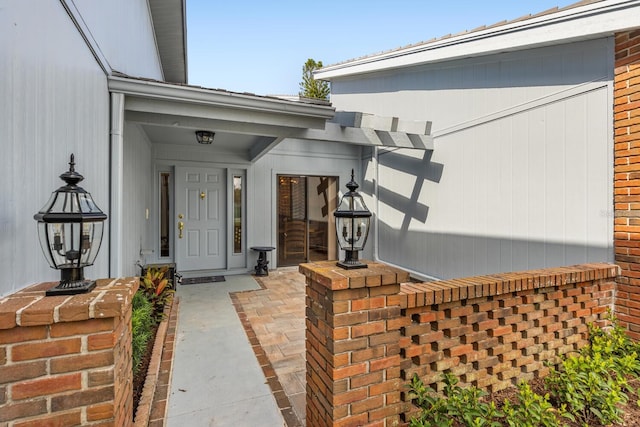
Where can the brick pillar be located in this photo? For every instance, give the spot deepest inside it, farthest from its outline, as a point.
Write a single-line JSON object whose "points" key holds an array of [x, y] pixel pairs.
{"points": [[627, 178], [353, 324], [66, 360]]}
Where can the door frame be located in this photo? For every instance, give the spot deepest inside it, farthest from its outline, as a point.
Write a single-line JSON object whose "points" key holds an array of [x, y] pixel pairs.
{"points": [[202, 223], [274, 209], [235, 262]]}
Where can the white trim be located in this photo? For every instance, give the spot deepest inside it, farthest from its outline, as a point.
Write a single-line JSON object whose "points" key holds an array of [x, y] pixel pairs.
{"points": [[580, 23]]}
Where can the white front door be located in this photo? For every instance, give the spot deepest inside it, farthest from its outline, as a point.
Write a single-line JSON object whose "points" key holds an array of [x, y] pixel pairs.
{"points": [[201, 220]]}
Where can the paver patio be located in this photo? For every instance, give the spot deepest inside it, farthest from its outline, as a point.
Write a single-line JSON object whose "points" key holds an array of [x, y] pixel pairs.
{"points": [[274, 319]]}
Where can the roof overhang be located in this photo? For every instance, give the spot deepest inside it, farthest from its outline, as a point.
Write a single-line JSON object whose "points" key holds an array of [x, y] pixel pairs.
{"points": [[249, 126], [593, 20], [246, 124], [169, 24]]}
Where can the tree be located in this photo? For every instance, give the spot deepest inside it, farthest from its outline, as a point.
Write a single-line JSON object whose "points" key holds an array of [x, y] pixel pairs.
{"points": [[310, 87]]}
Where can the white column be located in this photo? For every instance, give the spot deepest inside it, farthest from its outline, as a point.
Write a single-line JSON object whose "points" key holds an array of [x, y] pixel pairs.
{"points": [[117, 185]]}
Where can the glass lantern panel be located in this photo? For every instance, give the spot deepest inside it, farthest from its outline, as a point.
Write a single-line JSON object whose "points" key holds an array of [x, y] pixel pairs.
{"points": [[352, 232], [72, 245], [92, 240], [358, 204], [87, 205], [44, 243]]}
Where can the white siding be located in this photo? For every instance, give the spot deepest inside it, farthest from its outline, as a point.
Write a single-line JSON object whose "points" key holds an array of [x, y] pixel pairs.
{"points": [[138, 197], [54, 102], [521, 175], [124, 33]]}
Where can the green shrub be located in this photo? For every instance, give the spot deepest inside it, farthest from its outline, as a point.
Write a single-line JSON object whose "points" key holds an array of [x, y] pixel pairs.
{"points": [[593, 384], [460, 404], [531, 410], [142, 322]]}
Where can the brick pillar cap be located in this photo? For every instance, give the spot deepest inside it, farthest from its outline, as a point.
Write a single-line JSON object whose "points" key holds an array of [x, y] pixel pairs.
{"points": [[328, 274], [30, 306]]}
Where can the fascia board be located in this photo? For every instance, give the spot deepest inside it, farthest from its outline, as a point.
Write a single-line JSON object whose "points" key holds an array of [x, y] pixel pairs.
{"points": [[168, 92], [580, 23]]}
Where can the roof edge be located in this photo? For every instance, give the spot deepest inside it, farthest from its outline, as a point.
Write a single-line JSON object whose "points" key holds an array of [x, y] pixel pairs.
{"points": [[152, 89], [571, 23]]}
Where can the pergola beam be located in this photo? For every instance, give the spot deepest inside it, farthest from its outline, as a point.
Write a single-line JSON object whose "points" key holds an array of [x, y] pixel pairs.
{"points": [[367, 129]]}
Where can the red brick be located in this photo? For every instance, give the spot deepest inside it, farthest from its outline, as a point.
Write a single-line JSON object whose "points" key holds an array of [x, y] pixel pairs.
{"points": [[22, 371], [349, 371], [365, 380], [30, 408], [75, 363], [100, 412], [67, 329], [81, 398], [367, 404], [384, 363], [97, 378], [101, 341], [458, 350], [39, 350], [46, 386], [22, 334], [367, 329], [350, 397]]}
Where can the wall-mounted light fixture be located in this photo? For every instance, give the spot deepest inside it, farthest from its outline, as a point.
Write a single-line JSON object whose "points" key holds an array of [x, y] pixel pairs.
{"points": [[205, 136], [70, 229], [352, 226]]}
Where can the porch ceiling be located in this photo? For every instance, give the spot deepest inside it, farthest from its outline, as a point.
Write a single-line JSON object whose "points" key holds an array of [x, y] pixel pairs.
{"points": [[248, 125]]}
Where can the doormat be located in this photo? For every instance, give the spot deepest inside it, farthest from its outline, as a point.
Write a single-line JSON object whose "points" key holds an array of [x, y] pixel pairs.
{"points": [[206, 279]]}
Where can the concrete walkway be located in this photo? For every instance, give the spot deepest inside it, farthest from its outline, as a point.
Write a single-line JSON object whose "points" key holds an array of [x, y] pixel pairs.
{"points": [[216, 379]]}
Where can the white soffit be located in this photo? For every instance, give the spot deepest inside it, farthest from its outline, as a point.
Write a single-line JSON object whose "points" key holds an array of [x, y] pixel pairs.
{"points": [[580, 23]]}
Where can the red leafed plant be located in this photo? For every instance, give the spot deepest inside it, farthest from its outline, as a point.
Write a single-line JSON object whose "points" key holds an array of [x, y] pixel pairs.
{"points": [[157, 289]]}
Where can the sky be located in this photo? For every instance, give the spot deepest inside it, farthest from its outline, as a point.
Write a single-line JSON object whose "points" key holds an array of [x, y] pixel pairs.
{"points": [[260, 46]]}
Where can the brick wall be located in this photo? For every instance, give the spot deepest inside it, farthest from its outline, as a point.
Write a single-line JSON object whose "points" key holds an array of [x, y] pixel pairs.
{"points": [[368, 333], [627, 177], [66, 360]]}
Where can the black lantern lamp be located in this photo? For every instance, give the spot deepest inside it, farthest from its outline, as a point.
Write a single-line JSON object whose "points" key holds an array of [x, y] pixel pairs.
{"points": [[204, 137], [352, 226], [70, 229]]}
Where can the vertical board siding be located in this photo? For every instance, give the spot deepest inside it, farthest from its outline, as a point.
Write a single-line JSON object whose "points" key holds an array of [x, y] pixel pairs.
{"points": [[138, 196], [55, 102], [529, 186], [114, 24]]}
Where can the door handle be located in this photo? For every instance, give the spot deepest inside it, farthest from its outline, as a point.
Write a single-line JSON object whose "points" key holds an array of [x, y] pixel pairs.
{"points": [[180, 228]]}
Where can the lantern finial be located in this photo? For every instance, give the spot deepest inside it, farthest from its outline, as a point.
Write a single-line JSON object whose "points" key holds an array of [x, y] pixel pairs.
{"points": [[71, 177], [352, 185]]}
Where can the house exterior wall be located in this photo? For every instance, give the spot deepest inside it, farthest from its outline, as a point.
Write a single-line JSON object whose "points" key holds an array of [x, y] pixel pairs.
{"points": [[294, 157], [138, 197], [291, 156], [521, 174], [54, 102], [114, 24]]}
